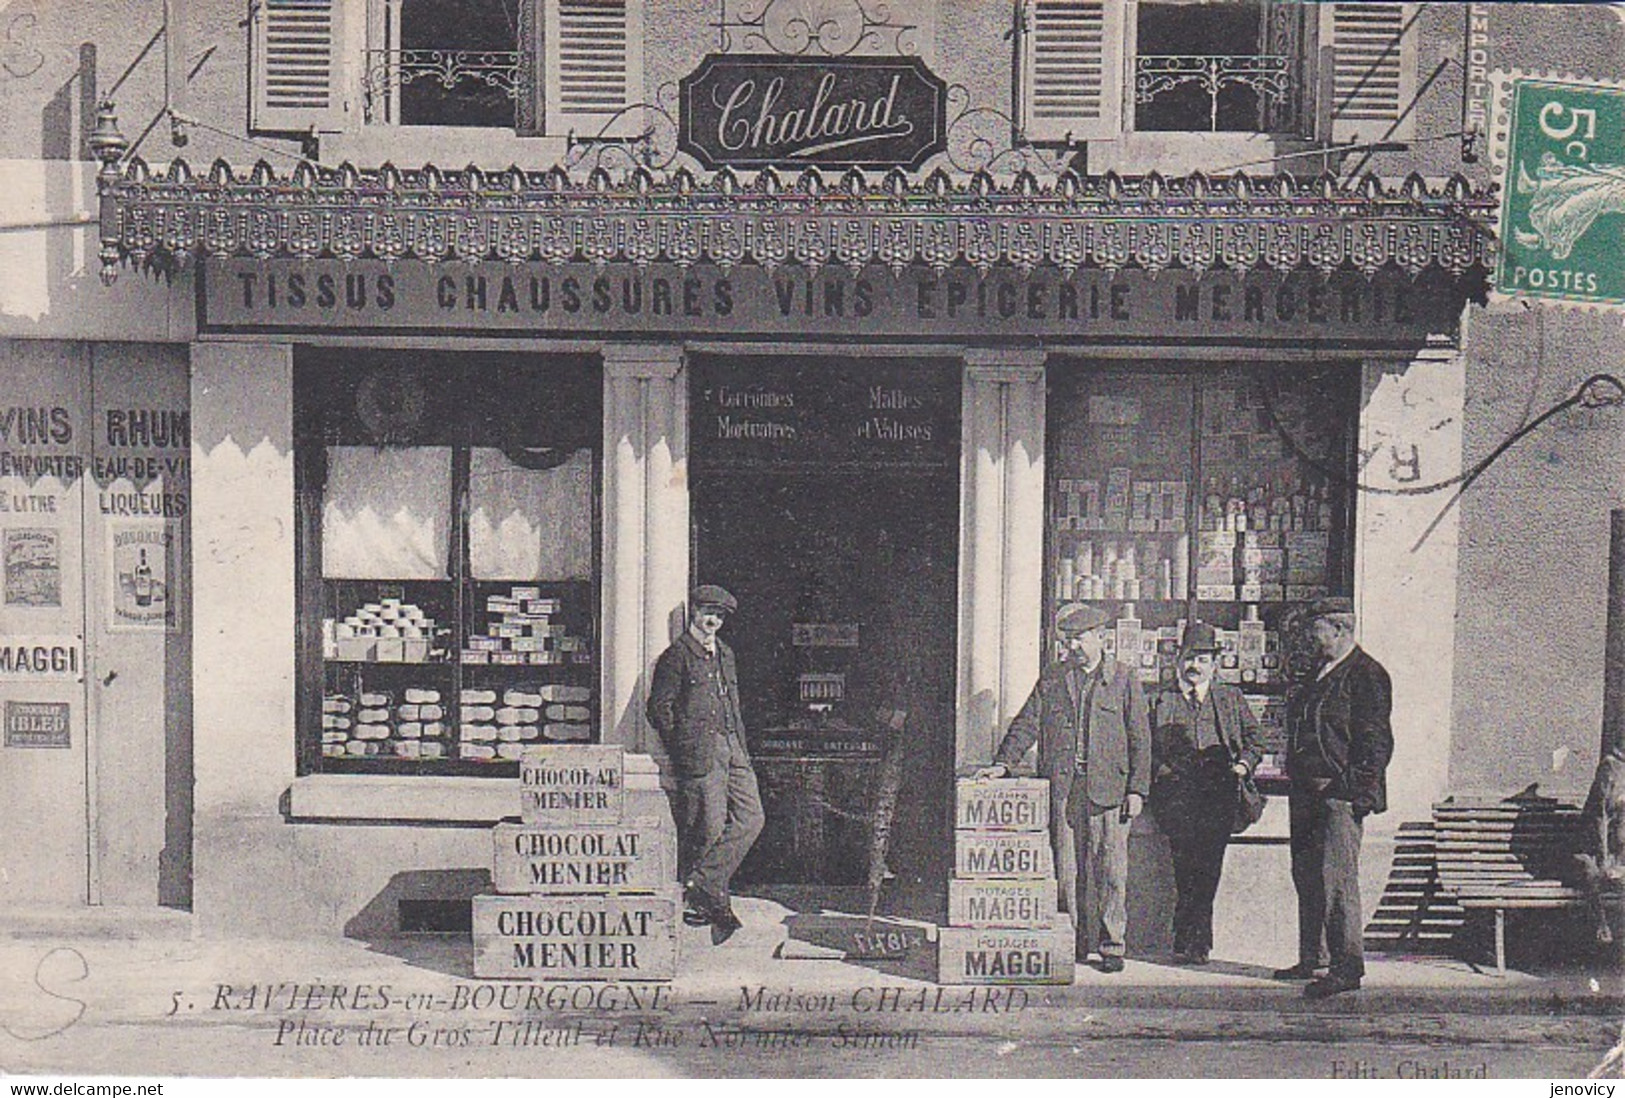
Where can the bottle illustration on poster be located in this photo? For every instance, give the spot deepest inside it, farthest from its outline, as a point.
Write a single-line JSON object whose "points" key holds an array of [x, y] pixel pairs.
{"points": [[141, 561]]}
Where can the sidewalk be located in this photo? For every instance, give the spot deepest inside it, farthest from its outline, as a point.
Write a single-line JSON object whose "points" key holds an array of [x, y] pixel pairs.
{"points": [[130, 993], [779, 947]]}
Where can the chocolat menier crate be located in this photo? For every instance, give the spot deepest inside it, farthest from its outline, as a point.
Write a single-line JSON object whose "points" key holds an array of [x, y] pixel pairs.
{"points": [[639, 856], [582, 937]]}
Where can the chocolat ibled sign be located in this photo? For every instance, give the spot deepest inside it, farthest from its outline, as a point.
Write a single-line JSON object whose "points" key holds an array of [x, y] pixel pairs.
{"points": [[759, 111]]}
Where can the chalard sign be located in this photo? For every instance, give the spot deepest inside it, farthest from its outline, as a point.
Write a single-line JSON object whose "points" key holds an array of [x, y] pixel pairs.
{"points": [[758, 111]]}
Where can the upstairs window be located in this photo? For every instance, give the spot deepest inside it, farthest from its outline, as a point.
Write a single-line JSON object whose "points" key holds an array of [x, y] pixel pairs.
{"points": [[1205, 67], [446, 63], [531, 66], [1091, 69]]}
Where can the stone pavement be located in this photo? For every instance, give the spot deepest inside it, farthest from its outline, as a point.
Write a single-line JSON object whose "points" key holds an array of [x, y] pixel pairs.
{"points": [[135, 992]]}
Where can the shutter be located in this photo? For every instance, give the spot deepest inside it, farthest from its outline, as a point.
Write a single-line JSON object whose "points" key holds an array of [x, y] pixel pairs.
{"points": [[1373, 76], [1071, 69], [594, 63], [297, 61]]}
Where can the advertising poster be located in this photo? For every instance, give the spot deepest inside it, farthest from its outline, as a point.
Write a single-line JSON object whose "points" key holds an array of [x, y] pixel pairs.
{"points": [[141, 559], [37, 724], [33, 563]]}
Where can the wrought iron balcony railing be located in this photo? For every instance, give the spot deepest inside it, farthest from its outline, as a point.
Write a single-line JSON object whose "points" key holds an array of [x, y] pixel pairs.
{"points": [[1266, 74], [390, 70]]}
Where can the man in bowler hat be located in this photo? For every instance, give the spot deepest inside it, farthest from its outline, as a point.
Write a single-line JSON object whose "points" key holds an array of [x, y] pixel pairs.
{"points": [[1339, 742], [1204, 739], [1088, 717], [694, 705]]}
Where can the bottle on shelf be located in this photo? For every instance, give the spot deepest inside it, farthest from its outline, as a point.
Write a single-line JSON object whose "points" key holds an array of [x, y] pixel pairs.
{"points": [[1235, 506], [1128, 637]]}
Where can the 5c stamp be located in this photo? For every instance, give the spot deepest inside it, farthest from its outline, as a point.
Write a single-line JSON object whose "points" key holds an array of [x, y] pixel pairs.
{"points": [[1561, 148]]}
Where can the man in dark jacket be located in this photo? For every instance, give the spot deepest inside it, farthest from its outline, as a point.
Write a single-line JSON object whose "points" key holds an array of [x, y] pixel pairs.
{"points": [[1088, 717], [1204, 739], [1339, 741], [694, 705]]}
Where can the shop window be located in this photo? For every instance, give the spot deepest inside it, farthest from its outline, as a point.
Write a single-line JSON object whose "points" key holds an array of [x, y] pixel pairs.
{"points": [[1091, 69], [530, 66], [1220, 494], [448, 559]]}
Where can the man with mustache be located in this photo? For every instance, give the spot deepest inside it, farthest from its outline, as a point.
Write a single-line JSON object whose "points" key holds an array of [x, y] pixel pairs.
{"points": [[694, 705], [1088, 717], [1339, 742], [1204, 739]]}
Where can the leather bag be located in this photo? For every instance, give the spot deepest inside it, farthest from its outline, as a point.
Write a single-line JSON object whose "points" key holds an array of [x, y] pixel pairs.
{"points": [[1249, 804]]}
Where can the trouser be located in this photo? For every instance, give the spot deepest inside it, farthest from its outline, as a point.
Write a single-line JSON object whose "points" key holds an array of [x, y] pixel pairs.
{"points": [[1326, 873], [1197, 823], [1091, 870], [720, 816]]}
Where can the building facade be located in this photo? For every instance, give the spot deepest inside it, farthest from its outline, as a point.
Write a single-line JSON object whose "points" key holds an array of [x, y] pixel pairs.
{"points": [[385, 372]]}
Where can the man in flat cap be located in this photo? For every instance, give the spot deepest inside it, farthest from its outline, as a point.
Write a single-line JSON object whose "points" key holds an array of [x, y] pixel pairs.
{"points": [[1339, 741], [694, 705], [1088, 717], [1204, 739]]}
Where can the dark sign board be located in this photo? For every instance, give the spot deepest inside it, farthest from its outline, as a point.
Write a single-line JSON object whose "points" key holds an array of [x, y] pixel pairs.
{"points": [[37, 724], [758, 111], [536, 300], [819, 414]]}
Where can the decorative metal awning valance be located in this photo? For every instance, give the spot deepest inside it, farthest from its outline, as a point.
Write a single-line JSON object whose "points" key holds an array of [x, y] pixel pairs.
{"points": [[159, 221]]}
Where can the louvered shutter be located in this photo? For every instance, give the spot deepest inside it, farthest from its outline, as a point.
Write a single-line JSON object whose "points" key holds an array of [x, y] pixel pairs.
{"points": [[1373, 77], [297, 60], [1072, 69], [593, 56]]}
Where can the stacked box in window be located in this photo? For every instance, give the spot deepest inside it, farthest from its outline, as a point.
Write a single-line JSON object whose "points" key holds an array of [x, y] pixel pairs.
{"points": [[521, 631], [1004, 925], [585, 877]]}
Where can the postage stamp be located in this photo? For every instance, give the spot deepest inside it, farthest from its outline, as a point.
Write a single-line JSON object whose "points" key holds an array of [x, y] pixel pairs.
{"points": [[1562, 155]]}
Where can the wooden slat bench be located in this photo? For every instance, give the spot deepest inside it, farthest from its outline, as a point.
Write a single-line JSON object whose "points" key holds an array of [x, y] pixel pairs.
{"points": [[1507, 855]]}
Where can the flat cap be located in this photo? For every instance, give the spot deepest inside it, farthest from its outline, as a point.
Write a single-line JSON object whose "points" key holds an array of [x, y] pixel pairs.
{"points": [[709, 594], [1320, 608], [1080, 617]]}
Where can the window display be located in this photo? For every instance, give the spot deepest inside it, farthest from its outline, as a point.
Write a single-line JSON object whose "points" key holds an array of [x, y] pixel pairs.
{"points": [[448, 555], [1216, 493]]}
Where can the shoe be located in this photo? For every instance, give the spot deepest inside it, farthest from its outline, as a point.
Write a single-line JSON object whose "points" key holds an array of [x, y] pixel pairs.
{"points": [[1327, 986], [1111, 963], [1198, 958], [1303, 970], [699, 908], [723, 924]]}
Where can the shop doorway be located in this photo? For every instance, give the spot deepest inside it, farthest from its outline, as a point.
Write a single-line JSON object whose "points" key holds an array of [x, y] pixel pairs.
{"points": [[95, 594], [825, 495]]}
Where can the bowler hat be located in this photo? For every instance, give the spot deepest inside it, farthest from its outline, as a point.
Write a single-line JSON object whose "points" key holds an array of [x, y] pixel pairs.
{"points": [[1200, 636], [1326, 607], [709, 594], [1078, 617]]}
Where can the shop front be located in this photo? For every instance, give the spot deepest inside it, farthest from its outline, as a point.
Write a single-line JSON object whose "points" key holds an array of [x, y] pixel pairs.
{"points": [[454, 508]]}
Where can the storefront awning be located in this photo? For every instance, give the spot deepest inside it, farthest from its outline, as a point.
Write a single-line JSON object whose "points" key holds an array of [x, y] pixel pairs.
{"points": [[1282, 223]]}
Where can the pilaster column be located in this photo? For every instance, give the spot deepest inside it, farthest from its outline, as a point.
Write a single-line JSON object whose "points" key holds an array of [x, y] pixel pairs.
{"points": [[1001, 545], [645, 528]]}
